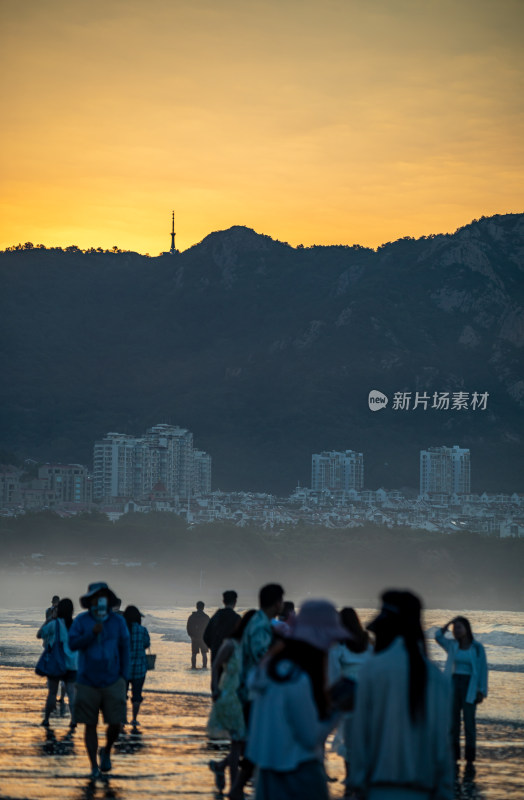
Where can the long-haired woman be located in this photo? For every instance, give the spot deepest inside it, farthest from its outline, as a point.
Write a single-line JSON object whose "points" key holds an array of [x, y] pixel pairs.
{"points": [[48, 632], [400, 732], [467, 666]]}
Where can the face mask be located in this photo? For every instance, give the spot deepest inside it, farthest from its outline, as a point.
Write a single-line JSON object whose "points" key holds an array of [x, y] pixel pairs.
{"points": [[100, 611]]}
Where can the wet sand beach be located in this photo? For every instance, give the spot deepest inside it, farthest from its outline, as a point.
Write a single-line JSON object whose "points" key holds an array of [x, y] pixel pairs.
{"points": [[168, 757]]}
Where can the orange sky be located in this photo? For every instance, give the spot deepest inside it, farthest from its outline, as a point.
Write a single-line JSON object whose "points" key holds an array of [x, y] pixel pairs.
{"points": [[312, 121]]}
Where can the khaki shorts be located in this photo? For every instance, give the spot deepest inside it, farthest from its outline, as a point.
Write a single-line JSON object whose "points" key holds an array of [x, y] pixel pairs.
{"points": [[111, 700]]}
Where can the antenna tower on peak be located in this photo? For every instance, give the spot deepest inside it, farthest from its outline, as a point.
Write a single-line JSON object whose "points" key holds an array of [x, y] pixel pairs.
{"points": [[173, 248]]}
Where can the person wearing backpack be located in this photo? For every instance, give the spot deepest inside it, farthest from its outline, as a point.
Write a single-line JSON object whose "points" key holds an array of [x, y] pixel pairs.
{"points": [[56, 631]]}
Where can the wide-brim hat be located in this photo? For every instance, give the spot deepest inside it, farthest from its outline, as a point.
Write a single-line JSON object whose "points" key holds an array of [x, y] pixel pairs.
{"points": [[318, 624], [94, 589]]}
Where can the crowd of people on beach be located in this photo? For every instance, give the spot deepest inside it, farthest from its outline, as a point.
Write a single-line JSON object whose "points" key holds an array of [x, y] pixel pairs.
{"points": [[281, 682], [103, 651]]}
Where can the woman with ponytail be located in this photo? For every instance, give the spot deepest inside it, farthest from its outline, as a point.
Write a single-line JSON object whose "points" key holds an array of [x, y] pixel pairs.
{"points": [[400, 735]]}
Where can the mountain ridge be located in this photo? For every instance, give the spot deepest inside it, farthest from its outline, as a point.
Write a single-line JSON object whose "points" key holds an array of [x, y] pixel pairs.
{"points": [[267, 352]]}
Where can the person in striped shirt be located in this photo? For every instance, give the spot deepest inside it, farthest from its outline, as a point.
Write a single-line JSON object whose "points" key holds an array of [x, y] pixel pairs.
{"points": [[140, 641]]}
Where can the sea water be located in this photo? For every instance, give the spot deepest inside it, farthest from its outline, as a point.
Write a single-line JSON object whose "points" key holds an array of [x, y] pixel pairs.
{"points": [[501, 633], [169, 754]]}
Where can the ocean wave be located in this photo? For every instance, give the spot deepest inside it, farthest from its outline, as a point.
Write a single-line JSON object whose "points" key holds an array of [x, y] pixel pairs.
{"points": [[503, 639]]}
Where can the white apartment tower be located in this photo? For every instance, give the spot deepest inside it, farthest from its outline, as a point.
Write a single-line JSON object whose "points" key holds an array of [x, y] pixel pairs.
{"points": [[334, 470], [129, 466], [201, 472], [119, 466], [445, 470], [171, 455]]}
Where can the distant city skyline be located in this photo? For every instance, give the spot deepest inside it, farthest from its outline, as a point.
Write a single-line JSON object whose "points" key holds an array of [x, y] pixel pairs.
{"points": [[165, 459]]}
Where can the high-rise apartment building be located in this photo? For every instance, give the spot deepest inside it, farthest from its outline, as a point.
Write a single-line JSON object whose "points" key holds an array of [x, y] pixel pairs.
{"points": [[130, 466], [334, 470], [9, 485], [118, 466], [70, 482], [171, 457], [445, 470], [202, 471]]}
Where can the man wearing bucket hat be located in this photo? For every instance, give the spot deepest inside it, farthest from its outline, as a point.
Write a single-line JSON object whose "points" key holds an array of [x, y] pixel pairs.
{"points": [[291, 712], [400, 745], [102, 639]]}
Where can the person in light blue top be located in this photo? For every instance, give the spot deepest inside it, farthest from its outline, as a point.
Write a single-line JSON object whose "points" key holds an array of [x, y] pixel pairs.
{"points": [[102, 640], [467, 666], [292, 714], [60, 624]]}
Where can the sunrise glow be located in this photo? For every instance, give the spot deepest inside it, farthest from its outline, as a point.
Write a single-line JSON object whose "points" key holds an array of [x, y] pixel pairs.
{"points": [[342, 121]]}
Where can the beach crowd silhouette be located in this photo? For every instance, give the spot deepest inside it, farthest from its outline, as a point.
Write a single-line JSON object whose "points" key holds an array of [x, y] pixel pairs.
{"points": [[281, 681]]}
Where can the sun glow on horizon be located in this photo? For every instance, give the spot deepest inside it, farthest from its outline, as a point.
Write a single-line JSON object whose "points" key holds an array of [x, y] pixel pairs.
{"points": [[313, 123]]}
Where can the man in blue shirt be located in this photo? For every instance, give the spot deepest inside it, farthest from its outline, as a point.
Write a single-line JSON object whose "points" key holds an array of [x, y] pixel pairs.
{"points": [[102, 640]]}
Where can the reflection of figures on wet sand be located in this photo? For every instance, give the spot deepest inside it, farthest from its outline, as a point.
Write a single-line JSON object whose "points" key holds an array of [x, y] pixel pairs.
{"points": [[177, 754], [466, 787], [54, 746], [130, 743], [92, 791]]}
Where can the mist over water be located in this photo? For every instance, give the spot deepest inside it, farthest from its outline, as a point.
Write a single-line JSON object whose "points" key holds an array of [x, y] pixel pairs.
{"points": [[156, 559], [502, 634]]}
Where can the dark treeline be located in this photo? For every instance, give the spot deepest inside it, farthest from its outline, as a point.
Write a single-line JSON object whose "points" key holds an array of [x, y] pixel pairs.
{"points": [[162, 558], [72, 248]]}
